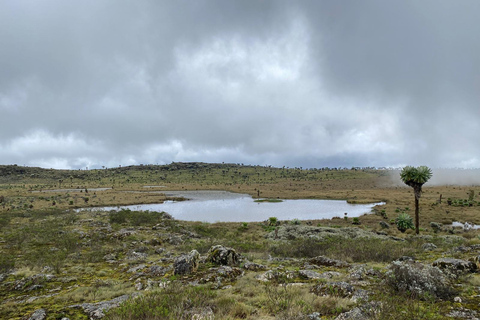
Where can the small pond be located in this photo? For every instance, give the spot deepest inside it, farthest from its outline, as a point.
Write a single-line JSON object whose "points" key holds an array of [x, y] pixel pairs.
{"points": [[216, 206]]}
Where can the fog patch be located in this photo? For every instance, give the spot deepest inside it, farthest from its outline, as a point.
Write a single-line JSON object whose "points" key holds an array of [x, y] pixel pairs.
{"points": [[444, 176]]}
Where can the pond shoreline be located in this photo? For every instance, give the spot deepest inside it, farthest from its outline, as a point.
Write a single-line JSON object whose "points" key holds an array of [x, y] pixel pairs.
{"points": [[225, 206]]}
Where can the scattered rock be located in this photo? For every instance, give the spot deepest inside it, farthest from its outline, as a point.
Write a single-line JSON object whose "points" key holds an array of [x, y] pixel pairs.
{"points": [[360, 295], [309, 274], [384, 225], [222, 274], [110, 257], [136, 268], [175, 240], [464, 313], [97, 310], [337, 289], [455, 265], [428, 246], [186, 263], [406, 258], [200, 314], [276, 275], [254, 266], [221, 255], [123, 233], [314, 316], [158, 271], [159, 250], [361, 271], [436, 227], [34, 282], [366, 311], [138, 285], [133, 255], [291, 232], [39, 314], [324, 261]]}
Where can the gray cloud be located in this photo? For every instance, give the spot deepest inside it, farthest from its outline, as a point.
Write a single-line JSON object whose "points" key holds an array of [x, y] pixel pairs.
{"points": [[265, 82]]}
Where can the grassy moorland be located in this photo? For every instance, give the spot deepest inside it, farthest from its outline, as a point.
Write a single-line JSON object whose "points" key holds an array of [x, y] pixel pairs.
{"points": [[67, 263]]}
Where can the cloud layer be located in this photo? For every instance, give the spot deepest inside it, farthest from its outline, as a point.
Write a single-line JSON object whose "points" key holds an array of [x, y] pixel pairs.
{"points": [[312, 84]]}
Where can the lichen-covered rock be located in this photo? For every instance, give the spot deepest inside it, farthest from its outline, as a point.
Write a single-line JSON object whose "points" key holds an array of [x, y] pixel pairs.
{"points": [[158, 271], [436, 226], [276, 275], [221, 255], [337, 289], [186, 263], [428, 246], [360, 272], [324, 261], [455, 265], [97, 310], [134, 255], [463, 313], [419, 279], [110, 257], [39, 314], [254, 266], [200, 314], [174, 239], [309, 274], [292, 232], [222, 274], [384, 225], [123, 233], [363, 312]]}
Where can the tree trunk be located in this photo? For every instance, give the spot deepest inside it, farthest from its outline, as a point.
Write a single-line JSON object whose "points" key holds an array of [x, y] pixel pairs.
{"points": [[417, 219], [418, 193]]}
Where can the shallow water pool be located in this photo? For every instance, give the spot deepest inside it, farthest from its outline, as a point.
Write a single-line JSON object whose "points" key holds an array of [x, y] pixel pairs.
{"points": [[223, 206]]}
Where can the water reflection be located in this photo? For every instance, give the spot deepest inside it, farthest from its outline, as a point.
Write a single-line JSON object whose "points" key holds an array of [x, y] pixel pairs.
{"points": [[216, 206]]}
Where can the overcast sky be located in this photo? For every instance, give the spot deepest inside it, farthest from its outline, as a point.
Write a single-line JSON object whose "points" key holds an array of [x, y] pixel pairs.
{"points": [[297, 83]]}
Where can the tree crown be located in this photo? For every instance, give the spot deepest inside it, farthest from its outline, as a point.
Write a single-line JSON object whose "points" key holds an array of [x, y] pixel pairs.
{"points": [[415, 176]]}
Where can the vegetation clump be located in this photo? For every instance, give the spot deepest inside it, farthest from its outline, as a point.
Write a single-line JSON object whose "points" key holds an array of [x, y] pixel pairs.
{"points": [[404, 222]]}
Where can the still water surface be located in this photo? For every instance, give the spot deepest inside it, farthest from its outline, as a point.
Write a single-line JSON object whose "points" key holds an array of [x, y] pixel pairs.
{"points": [[216, 206]]}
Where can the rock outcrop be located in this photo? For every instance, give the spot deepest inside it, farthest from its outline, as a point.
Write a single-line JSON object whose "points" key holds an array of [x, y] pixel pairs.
{"points": [[221, 255], [186, 263], [455, 265]]}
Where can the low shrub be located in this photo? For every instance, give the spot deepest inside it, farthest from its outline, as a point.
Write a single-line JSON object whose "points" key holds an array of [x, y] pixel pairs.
{"points": [[419, 280], [135, 218], [354, 250], [173, 302]]}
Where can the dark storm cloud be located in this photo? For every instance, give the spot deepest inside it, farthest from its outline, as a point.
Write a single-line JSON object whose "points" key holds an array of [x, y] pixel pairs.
{"points": [[310, 83]]}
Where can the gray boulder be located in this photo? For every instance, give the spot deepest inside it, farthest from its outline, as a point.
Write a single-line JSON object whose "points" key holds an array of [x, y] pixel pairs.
{"points": [[366, 311], [309, 274], [324, 261], [338, 289], [428, 246], [97, 310], [221, 255], [186, 263], [254, 266], [455, 265], [39, 314]]}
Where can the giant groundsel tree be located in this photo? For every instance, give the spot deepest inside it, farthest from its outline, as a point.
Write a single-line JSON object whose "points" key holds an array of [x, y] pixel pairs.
{"points": [[416, 178]]}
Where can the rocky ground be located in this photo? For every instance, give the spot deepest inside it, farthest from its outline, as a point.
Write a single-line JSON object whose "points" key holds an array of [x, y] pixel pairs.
{"points": [[437, 272]]}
